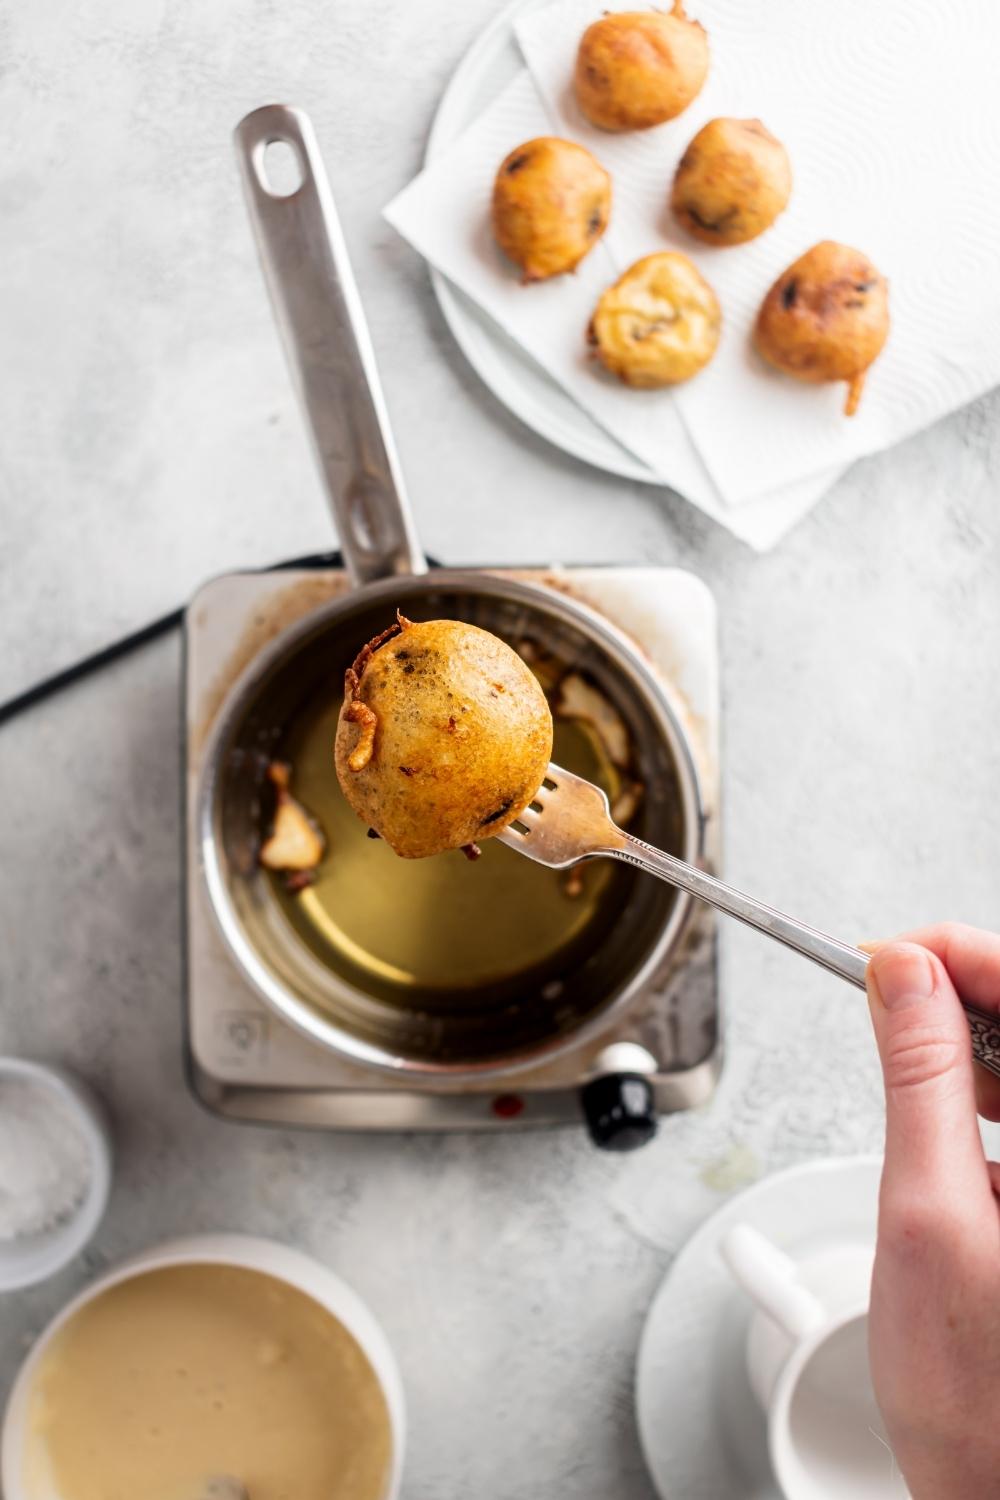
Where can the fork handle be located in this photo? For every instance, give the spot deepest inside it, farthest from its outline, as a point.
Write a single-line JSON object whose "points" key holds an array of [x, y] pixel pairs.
{"points": [[829, 952]]}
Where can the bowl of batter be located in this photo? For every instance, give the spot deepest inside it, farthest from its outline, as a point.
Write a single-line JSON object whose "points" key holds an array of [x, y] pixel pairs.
{"points": [[210, 1365]]}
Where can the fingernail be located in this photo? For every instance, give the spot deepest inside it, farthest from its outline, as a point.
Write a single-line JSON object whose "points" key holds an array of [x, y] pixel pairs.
{"points": [[902, 976]]}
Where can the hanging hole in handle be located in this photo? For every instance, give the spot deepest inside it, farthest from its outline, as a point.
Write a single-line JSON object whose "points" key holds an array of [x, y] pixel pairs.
{"points": [[279, 168]]}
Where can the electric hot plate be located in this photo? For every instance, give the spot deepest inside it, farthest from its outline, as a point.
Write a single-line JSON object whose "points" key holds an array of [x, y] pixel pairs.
{"points": [[245, 1063]]}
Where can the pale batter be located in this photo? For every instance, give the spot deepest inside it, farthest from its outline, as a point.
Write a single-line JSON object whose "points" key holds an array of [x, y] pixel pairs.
{"points": [[191, 1371]]}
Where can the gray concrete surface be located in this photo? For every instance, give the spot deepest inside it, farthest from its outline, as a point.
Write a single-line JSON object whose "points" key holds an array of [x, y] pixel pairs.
{"points": [[143, 403]]}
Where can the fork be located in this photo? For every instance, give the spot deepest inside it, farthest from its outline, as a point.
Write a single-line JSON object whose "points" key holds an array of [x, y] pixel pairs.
{"points": [[570, 820]]}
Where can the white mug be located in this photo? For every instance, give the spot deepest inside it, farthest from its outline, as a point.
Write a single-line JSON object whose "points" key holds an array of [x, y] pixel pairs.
{"points": [[807, 1359]]}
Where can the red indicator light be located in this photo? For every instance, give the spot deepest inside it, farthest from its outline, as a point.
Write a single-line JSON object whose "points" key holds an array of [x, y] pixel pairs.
{"points": [[507, 1106]]}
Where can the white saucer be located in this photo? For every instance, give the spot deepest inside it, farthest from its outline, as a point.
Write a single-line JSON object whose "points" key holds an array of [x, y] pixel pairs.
{"points": [[703, 1434], [523, 387]]}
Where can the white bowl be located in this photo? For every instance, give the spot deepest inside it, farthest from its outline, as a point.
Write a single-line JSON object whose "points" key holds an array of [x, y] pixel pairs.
{"points": [[273, 1259], [34, 1257]]}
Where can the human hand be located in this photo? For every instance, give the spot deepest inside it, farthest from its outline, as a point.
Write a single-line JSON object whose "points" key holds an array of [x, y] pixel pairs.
{"points": [[934, 1328]]}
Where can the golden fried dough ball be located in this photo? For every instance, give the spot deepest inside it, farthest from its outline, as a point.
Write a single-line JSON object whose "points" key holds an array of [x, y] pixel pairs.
{"points": [[639, 68], [444, 736], [551, 204], [658, 324], [732, 182], [826, 318]]}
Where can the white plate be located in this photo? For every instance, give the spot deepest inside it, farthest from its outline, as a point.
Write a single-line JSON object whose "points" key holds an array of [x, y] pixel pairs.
{"points": [[703, 1434], [490, 64]]}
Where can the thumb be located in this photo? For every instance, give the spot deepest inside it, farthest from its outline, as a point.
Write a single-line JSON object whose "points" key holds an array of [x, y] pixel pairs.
{"points": [[933, 1151]]}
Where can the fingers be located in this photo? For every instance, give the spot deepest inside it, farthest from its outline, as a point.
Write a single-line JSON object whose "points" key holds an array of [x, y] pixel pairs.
{"points": [[972, 958], [934, 1162], [987, 1087]]}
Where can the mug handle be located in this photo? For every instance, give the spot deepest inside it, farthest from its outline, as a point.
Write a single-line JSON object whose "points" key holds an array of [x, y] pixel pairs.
{"points": [[770, 1278]]}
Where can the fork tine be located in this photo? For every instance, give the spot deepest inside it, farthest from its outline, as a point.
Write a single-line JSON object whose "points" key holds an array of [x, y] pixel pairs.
{"points": [[565, 822]]}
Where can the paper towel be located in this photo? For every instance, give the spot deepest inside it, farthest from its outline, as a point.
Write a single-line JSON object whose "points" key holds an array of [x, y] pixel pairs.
{"points": [[890, 115], [444, 213]]}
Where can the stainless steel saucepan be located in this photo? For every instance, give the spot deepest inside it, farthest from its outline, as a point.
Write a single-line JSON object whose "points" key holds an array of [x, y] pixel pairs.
{"points": [[440, 1034]]}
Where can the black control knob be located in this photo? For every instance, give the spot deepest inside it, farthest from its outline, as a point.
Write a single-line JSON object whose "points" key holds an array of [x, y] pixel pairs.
{"points": [[620, 1111]]}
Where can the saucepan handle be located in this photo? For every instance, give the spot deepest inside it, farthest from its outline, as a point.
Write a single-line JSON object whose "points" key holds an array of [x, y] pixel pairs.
{"points": [[329, 351]]}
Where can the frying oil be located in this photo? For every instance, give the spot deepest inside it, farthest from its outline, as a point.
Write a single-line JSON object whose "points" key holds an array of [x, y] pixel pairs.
{"points": [[441, 923]]}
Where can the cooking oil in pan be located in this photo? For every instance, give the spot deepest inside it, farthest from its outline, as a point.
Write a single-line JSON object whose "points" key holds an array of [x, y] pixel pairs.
{"points": [[443, 923]]}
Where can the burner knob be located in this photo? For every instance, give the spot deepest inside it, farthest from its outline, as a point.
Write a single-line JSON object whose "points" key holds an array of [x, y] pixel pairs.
{"points": [[620, 1111]]}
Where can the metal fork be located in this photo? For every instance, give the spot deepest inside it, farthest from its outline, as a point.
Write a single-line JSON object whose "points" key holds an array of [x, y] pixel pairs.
{"points": [[570, 820]]}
